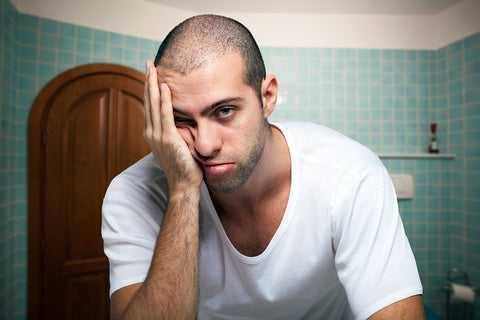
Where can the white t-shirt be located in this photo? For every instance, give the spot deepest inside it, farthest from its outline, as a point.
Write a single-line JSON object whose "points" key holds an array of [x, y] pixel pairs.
{"points": [[340, 251]]}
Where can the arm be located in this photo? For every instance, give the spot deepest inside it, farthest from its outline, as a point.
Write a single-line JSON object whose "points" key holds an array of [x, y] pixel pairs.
{"points": [[408, 309], [373, 257], [171, 286]]}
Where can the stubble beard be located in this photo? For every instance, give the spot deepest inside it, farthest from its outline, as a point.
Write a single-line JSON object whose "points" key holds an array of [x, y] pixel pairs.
{"points": [[234, 180]]}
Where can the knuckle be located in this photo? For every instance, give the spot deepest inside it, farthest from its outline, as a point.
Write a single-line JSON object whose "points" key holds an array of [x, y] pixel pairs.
{"points": [[147, 133]]}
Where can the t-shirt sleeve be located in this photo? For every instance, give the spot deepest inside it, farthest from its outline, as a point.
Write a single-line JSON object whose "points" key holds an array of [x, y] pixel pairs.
{"points": [[373, 257], [131, 219]]}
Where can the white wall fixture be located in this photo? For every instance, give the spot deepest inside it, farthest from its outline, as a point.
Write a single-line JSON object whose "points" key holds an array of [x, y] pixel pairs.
{"points": [[404, 185]]}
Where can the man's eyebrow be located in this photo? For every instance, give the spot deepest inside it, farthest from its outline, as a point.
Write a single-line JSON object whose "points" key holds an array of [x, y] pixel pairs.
{"points": [[209, 108]]}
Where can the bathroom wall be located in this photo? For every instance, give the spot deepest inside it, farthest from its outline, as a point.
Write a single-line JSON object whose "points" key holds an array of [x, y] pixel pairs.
{"points": [[458, 94], [13, 209], [382, 97]]}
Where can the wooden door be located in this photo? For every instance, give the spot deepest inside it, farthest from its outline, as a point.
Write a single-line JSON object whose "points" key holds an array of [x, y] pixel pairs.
{"points": [[85, 127]]}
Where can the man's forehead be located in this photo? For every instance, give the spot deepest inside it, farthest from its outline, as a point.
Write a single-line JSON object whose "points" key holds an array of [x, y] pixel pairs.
{"points": [[227, 70], [210, 62]]}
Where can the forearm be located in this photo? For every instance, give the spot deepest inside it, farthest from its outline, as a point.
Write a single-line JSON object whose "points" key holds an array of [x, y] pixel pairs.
{"points": [[171, 287], [409, 309], [170, 290]]}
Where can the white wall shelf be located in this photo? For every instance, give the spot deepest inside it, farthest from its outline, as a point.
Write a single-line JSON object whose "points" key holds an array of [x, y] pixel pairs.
{"points": [[417, 155]]}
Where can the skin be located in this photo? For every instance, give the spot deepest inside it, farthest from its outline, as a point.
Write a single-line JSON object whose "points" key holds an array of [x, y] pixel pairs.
{"points": [[406, 309], [209, 125]]}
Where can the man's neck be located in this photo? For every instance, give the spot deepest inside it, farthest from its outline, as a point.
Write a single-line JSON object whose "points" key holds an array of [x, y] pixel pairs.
{"points": [[269, 181]]}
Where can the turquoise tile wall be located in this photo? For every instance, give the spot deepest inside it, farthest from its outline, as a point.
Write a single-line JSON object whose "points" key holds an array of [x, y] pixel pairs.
{"points": [[371, 95], [12, 264], [461, 82], [382, 98]]}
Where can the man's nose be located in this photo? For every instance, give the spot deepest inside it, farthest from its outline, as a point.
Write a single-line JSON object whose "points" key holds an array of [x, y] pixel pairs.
{"points": [[207, 140]]}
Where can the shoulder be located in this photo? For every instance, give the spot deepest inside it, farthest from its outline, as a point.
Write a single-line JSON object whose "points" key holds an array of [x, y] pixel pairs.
{"points": [[141, 190], [144, 175], [327, 148], [142, 170], [132, 213]]}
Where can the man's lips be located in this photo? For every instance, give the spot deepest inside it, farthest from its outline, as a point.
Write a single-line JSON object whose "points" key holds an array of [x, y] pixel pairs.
{"points": [[216, 168]]}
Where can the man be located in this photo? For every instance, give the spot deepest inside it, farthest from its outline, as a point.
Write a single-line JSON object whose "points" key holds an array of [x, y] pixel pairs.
{"points": [[231, 217]]}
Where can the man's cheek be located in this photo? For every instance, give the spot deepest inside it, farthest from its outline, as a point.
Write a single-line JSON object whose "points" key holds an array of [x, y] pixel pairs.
{"points": [[186, 135]]}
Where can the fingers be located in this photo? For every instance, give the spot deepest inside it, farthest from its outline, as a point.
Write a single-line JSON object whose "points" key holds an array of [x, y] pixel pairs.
{"points": [[162, 135], [153, 128], [146, 102], [154, 102], [166, 109], [159, 118]]}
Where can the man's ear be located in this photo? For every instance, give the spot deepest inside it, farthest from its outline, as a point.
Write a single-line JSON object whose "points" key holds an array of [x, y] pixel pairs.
{"points": [[269, 95]]}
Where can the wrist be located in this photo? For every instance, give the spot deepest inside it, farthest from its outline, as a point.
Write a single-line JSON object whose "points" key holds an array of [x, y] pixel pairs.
{"points": [[185, 193]]}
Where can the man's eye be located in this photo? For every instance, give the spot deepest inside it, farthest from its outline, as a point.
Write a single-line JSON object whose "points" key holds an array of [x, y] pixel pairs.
{"points": [[224, 112], [182, 121]]}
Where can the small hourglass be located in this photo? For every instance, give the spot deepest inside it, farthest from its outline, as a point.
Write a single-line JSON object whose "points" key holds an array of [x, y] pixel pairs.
{"points": [[433, 148]]}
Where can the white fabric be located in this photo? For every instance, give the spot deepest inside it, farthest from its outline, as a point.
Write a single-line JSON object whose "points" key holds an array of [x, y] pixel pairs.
{"points": [[340, 251]]}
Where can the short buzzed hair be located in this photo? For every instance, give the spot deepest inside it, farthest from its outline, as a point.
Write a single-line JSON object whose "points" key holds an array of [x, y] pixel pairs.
{"points": [[203, 39]]}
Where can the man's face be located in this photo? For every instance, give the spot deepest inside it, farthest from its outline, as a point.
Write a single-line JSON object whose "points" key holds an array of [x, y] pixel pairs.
{"points": [[221, 120]]}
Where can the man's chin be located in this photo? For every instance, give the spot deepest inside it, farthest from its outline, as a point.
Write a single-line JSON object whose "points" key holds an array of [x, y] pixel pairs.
{"points": [[223, 184]]}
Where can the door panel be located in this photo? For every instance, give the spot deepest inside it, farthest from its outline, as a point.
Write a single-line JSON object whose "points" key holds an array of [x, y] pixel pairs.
{"points": [[130, 114], [86, 126], [84, 290], [85, 174]]}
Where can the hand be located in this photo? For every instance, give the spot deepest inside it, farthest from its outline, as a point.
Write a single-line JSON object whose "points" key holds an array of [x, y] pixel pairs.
{"points": [[168, 147]]}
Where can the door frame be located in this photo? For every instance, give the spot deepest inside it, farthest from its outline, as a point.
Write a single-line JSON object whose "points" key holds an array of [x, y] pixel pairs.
{"points": [[36, 175]]}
